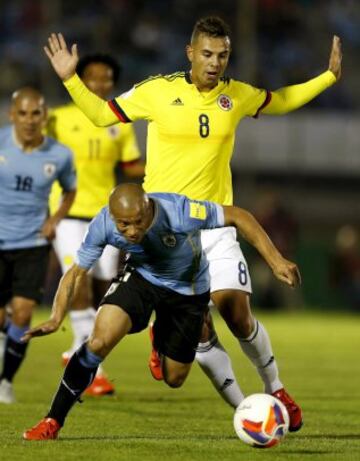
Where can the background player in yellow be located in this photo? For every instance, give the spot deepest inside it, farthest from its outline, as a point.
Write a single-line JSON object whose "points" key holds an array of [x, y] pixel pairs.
{"points": [[192, 120], [97, 153]]}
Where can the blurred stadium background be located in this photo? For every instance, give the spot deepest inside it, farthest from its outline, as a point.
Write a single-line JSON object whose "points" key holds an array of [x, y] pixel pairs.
{"points": [[300, 174]]}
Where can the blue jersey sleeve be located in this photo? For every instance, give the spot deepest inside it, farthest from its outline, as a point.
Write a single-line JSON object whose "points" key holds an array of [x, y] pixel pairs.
{"points": [[67, 175], [201, 215], [94, 242]]}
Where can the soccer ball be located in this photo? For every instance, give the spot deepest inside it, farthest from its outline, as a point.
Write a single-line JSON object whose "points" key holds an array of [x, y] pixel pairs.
{"points": [[261, 420]]}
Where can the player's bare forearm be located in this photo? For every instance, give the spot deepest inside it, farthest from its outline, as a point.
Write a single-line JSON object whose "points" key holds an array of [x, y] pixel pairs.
{"points": [[252, 231], [49, 227], [65, 292], [63, 298], [67, 199]]}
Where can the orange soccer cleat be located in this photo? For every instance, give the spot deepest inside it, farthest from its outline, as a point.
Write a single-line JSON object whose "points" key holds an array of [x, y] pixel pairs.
{"points": [[154, 359], [100, 386], [295, 413], [46, 429]]}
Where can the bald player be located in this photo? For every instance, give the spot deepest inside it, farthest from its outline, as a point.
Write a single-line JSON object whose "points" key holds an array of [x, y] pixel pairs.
{"points": [[97, 152], [167, 272], [29, 164]]}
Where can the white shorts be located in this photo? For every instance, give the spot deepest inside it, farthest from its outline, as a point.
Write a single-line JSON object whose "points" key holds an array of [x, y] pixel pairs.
{"points": [[69, 235], [227, 265]]}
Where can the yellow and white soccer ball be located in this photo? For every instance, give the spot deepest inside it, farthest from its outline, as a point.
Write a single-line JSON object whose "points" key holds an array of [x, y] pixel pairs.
{"points": [[261, 421]]}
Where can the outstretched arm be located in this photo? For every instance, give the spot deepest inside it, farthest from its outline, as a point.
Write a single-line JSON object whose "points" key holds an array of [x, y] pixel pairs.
{"points": [[292, 97], [64, 63], [251, 230], [62, 301]]}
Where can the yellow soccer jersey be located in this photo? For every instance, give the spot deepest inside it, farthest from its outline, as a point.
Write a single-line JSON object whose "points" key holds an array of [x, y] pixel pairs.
{"points": [[190, 134], [96, 152]]}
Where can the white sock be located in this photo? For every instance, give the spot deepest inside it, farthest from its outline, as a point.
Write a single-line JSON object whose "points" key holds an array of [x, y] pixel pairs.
{"points": [[258, 348], [82, 323], [215, 362]]}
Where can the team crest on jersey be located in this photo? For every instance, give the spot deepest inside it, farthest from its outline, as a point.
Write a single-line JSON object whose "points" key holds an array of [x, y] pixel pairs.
{"points": [[113, 131], [49, 169], [169, 240], [224, 102], [2, 160]]}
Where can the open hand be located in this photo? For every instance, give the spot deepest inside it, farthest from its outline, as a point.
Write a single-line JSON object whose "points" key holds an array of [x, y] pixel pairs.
{"points": [[335, 57], [63, 61], [46, 328]]}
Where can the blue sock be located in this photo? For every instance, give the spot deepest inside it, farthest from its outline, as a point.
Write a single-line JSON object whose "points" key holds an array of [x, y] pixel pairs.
{"points": [[79, 374], [15, 351]]}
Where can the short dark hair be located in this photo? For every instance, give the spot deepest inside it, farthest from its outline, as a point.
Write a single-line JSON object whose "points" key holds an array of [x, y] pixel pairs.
{"points": [[213, 26], [99, 58]]}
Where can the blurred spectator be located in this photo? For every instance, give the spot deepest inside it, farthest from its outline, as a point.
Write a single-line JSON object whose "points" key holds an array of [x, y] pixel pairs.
{"points": [[290, 33], [345, 267], [283, 230]]}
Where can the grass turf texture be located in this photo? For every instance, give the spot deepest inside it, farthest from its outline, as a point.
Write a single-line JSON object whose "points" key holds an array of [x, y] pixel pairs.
{"points": [[319, 359]]}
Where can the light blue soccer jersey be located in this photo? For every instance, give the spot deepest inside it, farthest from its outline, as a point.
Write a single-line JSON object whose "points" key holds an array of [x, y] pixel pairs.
{"points": [[25, 182], [170, 254]]}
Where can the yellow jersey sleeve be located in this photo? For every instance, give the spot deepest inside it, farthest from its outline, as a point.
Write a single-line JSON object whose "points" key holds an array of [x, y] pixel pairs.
{"points": [[294, 96], [139, 103], [132, 105], [96, 109]]}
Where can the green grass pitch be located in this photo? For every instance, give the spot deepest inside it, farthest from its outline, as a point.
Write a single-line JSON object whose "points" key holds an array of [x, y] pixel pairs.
{"points": [[318, 354]]}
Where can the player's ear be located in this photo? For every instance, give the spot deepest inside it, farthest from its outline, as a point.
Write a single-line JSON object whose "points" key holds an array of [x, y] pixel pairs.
{"points": [[189, 52]]}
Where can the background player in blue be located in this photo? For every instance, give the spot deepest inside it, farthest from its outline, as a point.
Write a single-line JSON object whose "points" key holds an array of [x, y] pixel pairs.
{"points": [[168, 274], [29, 164]]}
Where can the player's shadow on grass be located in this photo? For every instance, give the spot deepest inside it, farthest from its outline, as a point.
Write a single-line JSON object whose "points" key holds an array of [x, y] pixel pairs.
{"points": [[211, 438], [147, 437], [171, 400], [282, 453]]}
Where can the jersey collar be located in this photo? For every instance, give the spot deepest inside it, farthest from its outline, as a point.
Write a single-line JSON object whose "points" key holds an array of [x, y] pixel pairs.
{"points": [[222, 80], [188, 78], [156, 215]]}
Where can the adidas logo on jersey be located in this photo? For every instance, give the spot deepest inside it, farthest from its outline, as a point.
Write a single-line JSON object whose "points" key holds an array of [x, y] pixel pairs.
{"points": [[177, 102]]}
